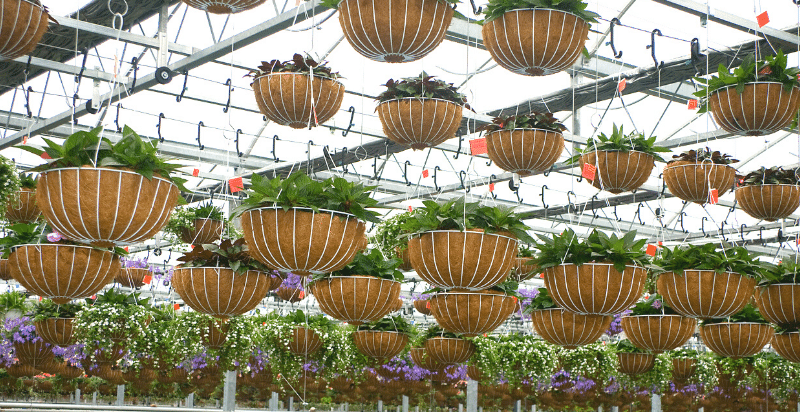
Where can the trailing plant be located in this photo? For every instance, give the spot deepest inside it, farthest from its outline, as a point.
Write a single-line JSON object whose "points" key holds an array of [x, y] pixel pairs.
{"points": [[112, 314], [298, 190], [653, 305], [703, 156], [596, 361], [771, 69], [656, 379], [749, 314], [228, 254], [706, 257], [9, 180], [88, 149], [618, 141], [368, 263], [683, 353], [533, 120], [625, 346], [458, 215], [772, 176], [160, 341], [423, 86], [27, 181], [47, 309], [389, 324], [497, 8], [515, 358], [542, 301], [13, 300], [298, 64], [597, 247], [389, 234]]}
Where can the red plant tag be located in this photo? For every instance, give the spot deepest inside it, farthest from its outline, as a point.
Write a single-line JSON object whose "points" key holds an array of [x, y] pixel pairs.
{"points": [[126, 248], [302, 294], [766, 70], [94, 297], [176, 306], [713, 197], [622, 85], [24, 139], [236, 184], [491, 187], [762, 19], [148, 279], [478, 146], [428, 304], [40, 298], [589, 171], [410, 209], [425, 173], [45, 156], [651, 250], [660, 243], [195, 172], [693, 103]]}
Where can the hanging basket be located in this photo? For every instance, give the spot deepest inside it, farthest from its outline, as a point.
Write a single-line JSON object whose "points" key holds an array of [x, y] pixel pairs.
{"points": [[779, 303], [419, 122], [762, 108], [207, 231], [302, 241], [291, 295], [787, 345], [110, 373], [449, 351], [63, 272], [423, 306], [224, 6], [217, 334], [683, 369], [56, 331], [380, 345], [524, 151], [535, 42], [396, 305], [658, 333], [394, 31], [290, 99], [421, 358], [19, 370], [594, 288], [568, 329], [635, 363], [405, 259], [472, 259], [355, 299], [220, 292], [105, 207], [736, 340], [471, 313], [22, 25], [132, 277], [705, 294], [522, 270], [67, 371], [304, 341], [693, 182], [33, 353], [617, 171], [768, 202], [5, 270], [21, 208], [474, 373]]}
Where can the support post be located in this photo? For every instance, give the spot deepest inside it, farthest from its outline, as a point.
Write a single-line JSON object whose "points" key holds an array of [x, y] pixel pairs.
{"points": [[273, 402], [120, 395], [291, 403], [190, 400], [94, 398], [616, 409], [518, 406], [77, 396], [380, 405], [655, 403], [533, 408], [405, 403], [163, 41], [472, 396], [229, 392]]}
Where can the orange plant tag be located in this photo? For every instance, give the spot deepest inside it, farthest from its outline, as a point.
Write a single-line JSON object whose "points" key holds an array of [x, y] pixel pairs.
{"points": [[762, 19], [478, 146], [713, 197], [589, 171]]}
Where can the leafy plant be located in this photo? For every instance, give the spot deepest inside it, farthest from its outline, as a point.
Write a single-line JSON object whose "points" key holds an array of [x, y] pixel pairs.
{"points": [[619, 141], [299, 190], [27, 181], [748, 314], [703, 156], [772, 176], [298, 64], [625, 346], [113, 297], [543, 300], [423, 86], [301, 318], [771, 69], [228, 254], [683, 353], [389, 234], [389, 324], [208, 211], [507, 287], [113, 315], [9, 180], [525, 251], [88, 149], [497, 8], [706, 257], [533, 120], [459, 215], [13, 300], [787, 271], [47, 309], [23, 234], [654, 305], [436, 331], [597, 247], [369, 263]]}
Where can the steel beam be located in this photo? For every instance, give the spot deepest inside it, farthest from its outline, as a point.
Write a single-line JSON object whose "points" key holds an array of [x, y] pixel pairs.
{"points": [[137, 39], [70, 69]]}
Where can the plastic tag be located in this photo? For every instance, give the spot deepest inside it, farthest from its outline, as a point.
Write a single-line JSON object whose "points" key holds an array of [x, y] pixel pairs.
{"points": [[410, 209], [24, 139], [478, 146], [425, 173], [491, 187], [126, 248], [195, 172], [176, 306], [622, 85], [148, 279], [236, 184], [589, 171], [713, 197], [651, 250], [693, 103], [762, 19]]}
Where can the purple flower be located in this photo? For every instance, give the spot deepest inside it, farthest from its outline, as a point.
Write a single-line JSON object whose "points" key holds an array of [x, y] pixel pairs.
{"points": [[292, 281], [657, 304], [140, 263], [616, 324]]}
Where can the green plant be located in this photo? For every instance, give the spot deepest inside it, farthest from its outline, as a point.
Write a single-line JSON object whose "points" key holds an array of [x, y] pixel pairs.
{"points": [[423, 86], [9, 180], [389, 324], [458, 215], [771, 69], [13, 300], [228, 254], [542, 301], [298, 190], [298, 64], [533, 120], [772, 176], [497, 8], [597, 247], [369, 263], [508, 287], [619, 141], [23, 234], [787, 271], [437, 332], [683, 353], [706, 257], [525, 251], [300, 318], [625, 346], [47, 309], [88, 149], [334, 4], [208, 211], [748, 314], [703, 156], [654, 305], [27, 181], [389, 234], [515, 357], [113, 315]]}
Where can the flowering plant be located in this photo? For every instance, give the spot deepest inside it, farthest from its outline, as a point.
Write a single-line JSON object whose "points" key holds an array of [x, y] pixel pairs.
{"points": [[596, 361], [135, 263], [159, 342], [16, 330], [653, 305], [514, 358], [9, 180]]}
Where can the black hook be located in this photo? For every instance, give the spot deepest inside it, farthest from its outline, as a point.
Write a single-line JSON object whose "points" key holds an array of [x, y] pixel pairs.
{"points": [[77, 78], [615, 214], [435, 184], [344, 165], [352, 111], [475, 10], [375, 169], [405, 173], [594, 211], [116, 120], [639, 213], [461, 140], [274, 154], [185, 79], [696, 56], [199, 125], [681, 219], [761, 235], [230, 90], [28, 101], [614, 22], [572, 208], [545, 205], [781, 238], [703, 225], [547, 173], [491, 181], [135, 63], [741, 228], [731, 210], [652, 48], [580, 178], [722, 230], [160, 138], [238, 131], [462, 175]]}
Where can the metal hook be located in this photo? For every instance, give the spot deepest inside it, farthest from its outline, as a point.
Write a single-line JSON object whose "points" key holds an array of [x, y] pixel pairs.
{"points": [[345, 167], [491, 182], [545, 205], [652, 47], [639, 213], [185, 79], [703, 225], [375, 169], [435, 175], [230, 90], [547, 173], [614, 22], [696, 56], [780, 236], [405, 173], [722, 230], [475, 10], [28, 101], [135, 63], [741, 228], [462, 175], [238, 131], [579, 179], [352, 111], [274, 154], [160, 138], [615, 214], [572, 208], [199, 125], [681, 220], [116, 120], [594, 211], [461, 140]]}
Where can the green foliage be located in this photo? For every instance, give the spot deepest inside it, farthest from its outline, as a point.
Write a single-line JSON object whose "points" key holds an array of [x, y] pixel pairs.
{"points": [[208, 211], [525, 251], [389, 324], [112, 314], [47, 309], [515, 357], [496, 8], [437, 332], [619, 141], [27, 181], [227, 254], [114, 297], [13, 300], [597, 247], [748, 314], [654, 305], [88, 149], [706, 257], [683, 353], [23, 234], [389, 234], [533, 120], [772, 176], [334, 4], [298, 64], [299, 190], [596, 361], [771, 69], [625, 346], [787, 271], [508, 287], [423, 86], [543, 300], [704, 156], [458, 215], [369, 263], [300, 318], [9, 180]]}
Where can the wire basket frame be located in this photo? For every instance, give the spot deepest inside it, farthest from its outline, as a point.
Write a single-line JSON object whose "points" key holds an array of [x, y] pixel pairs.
{"points": [[471, 313], [419, 123], [779, 303], [705, 294], [21, 208], [524, 151], [619, 171], [224, 6], [290, 99], [302, 241], [63, 272], [132, 277], [635, 363], [33, 353], [535, 42], [355, 299], [568, 329], [422, 306], [471, 260], [768, 202], [449, 351], [5, 270], [683, 368], [736, 340], [421, 358], [217, 334], [762, 108], [595, 288], [658, 333], [304, 341], [22, 25], [380, 344], [105, 207], [220, 292], [693, 182], [787, 345], [56, 331]]}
